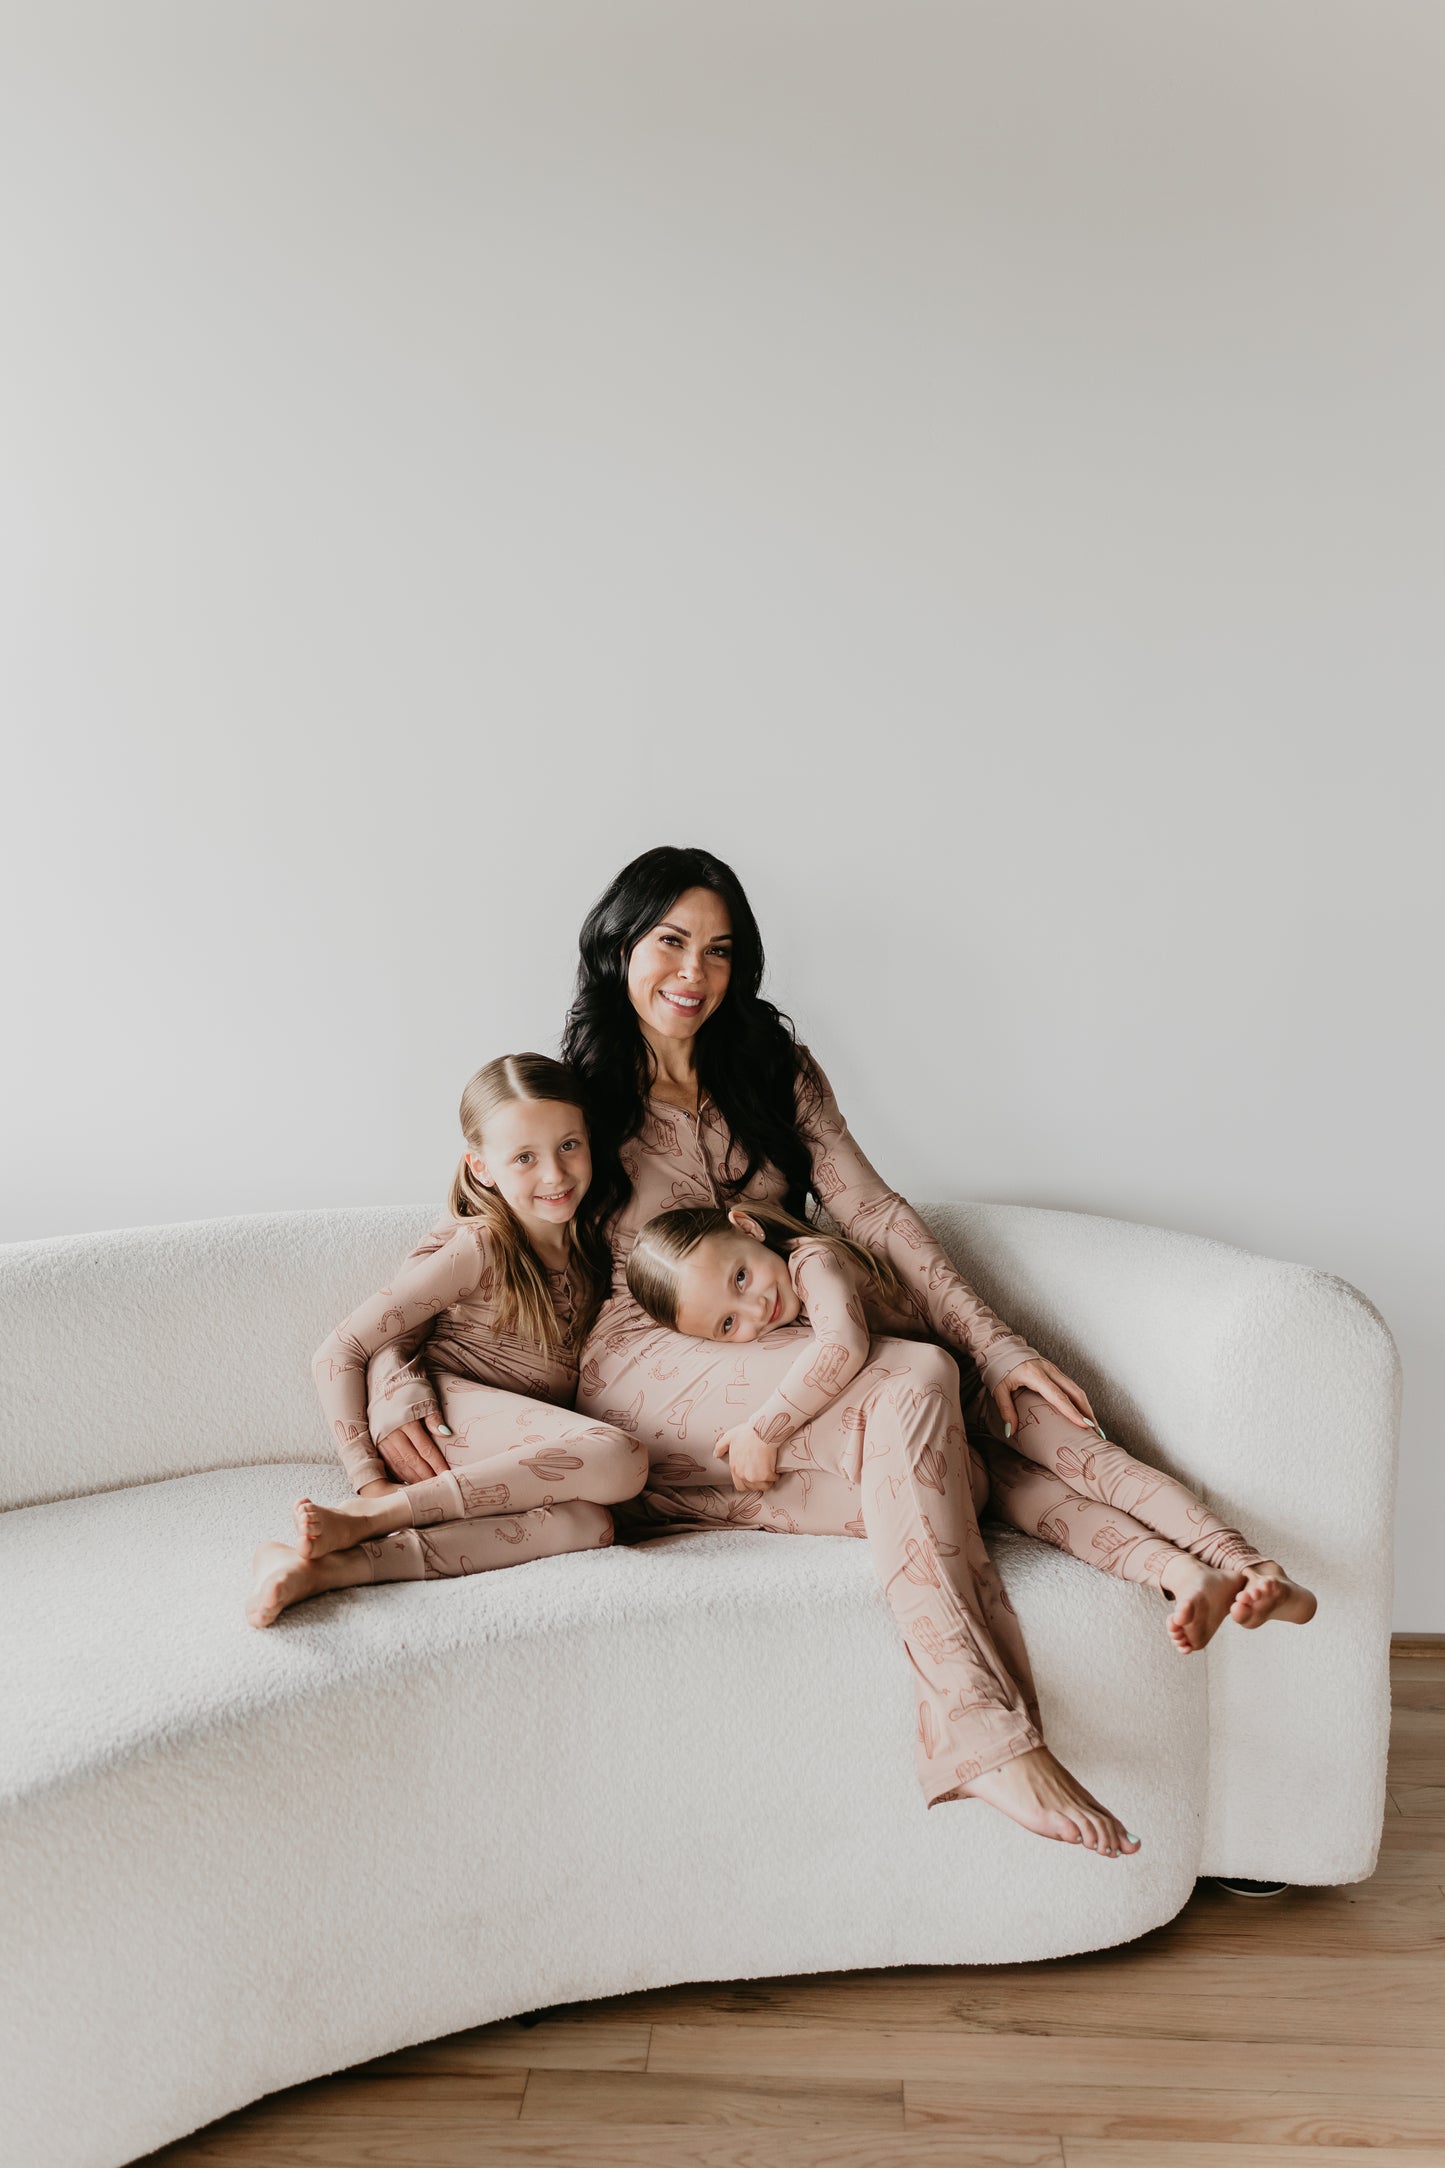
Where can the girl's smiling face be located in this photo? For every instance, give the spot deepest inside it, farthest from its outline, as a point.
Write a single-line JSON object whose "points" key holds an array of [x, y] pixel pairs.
{"points": [[678, 973], [537, 1157], [733, 1287]]}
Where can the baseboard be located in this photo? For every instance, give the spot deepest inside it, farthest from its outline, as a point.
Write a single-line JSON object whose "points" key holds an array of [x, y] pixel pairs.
{"points": [[1408, 1645]]}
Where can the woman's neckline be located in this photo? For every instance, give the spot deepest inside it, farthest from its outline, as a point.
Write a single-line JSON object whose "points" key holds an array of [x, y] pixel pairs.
{"points": [[674, 1106]]}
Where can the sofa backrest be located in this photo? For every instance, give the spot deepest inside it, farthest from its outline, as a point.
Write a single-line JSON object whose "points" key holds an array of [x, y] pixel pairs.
{"points": [[161, 1351]]}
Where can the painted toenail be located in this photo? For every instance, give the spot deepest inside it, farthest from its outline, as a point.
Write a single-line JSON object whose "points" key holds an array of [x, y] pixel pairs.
{"points": [[1129, 1837]]}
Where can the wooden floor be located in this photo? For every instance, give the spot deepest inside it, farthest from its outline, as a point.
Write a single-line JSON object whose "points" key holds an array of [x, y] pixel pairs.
{"points": [[1243, 2035]]}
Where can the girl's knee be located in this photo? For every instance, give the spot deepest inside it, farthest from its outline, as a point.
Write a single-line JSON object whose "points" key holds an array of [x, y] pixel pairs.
{"points": [[617, 1463]]}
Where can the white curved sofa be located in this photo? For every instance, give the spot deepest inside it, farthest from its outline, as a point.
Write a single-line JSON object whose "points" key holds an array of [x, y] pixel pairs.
{"points": [[233, 1860]]}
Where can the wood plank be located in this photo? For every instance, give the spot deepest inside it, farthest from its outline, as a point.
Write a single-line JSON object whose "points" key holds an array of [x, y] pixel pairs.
{"points": [[603, 2042], [1368, 1997], [482, 2095], [1416, 1834], [1126, 2153], [1382, 1915], [1174, 2114], [385, 2144], [1416, 1694], [1020, 2062], [1420, 1799], [611, 2096]]}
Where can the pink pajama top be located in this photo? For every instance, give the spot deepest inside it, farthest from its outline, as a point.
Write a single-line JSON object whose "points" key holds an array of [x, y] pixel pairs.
{"points": [[685, 1159], [444, 1294]]}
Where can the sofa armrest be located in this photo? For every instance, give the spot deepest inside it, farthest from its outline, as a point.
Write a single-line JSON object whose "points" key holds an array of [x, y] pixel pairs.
{"points": [[1274, 1391]]}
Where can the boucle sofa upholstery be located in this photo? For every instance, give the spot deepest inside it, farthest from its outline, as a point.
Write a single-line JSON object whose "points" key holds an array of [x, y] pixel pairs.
{"points": [[232, 1860]]}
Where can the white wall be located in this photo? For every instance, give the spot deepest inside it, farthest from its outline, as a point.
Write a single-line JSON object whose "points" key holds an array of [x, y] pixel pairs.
{"points": [[976, 466]]}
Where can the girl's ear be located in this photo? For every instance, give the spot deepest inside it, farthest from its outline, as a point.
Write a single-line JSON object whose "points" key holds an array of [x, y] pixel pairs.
{"points": [[746, 1224], [479, 1168]]}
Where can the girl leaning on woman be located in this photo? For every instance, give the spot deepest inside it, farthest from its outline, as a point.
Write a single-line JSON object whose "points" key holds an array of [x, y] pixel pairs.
{"points": [[630, 1318]]}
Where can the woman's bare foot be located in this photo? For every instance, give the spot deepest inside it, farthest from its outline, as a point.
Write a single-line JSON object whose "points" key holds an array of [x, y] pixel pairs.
{"points": [[322, 1529], [1268, 1592], [281, 1577], [1202, 1596], [1039, 1794]]}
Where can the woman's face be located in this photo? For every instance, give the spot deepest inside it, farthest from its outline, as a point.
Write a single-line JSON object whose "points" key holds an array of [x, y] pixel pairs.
{"points": [[679, 971]]}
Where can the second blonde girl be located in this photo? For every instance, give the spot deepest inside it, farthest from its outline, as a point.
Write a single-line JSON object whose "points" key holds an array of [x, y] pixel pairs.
{"points": [[734, 1275]]}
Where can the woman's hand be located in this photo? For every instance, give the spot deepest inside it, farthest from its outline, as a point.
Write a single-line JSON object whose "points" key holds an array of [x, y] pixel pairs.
{"points": [[1051, 1384], [754, 1465], [411, 1451]]}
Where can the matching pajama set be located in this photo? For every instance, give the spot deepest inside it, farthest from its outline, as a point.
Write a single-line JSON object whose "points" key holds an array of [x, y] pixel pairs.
{"points": [[529, 1478], [866, 1406], [887, 1457]]}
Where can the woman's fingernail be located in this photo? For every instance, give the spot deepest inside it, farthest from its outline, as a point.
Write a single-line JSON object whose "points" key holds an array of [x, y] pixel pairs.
{"points": [[1129, 1837], [1100, 1428], [1008, 1430], [443, 1430]]}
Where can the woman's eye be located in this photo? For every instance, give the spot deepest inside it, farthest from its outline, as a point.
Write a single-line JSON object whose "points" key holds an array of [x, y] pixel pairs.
{"points": [[670, 940]]}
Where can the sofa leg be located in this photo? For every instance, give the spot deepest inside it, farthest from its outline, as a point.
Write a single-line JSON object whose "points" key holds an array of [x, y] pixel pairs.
{"points": [[535, 2017], [1238, 1888]]}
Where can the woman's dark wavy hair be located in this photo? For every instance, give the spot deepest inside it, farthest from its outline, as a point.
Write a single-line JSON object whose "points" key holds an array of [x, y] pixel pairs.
{"points": [[748, 1056]]}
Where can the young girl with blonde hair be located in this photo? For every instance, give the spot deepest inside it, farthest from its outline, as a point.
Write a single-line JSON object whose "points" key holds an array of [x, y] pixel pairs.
{"points": [[502, 1293], [733, 1275]]}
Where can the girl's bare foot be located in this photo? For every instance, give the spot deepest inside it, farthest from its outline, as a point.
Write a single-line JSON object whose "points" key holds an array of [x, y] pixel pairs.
{"points": [[322, 1529], [1202, 1596], [1268, 1592], [1039, 1794], [281, 1577]]}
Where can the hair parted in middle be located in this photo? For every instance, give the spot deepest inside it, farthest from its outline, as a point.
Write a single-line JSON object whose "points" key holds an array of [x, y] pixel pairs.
{"points": [[663, 1246], [525, 1304], [748, 1055]]}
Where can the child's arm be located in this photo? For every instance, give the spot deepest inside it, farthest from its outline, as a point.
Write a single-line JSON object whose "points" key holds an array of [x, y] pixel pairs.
{"points": [[430, 1281], [831, 1290], [399, 1389]]}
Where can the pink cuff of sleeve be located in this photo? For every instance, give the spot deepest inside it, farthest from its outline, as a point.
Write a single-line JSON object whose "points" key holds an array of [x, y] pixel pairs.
{"points": [[1006, 1359], [367, 1471], [395, 1417]]}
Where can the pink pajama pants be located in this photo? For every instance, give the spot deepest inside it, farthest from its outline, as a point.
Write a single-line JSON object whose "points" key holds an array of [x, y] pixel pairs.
{"points": [[527, 1480], [890, 1461], [1093, 1499]]}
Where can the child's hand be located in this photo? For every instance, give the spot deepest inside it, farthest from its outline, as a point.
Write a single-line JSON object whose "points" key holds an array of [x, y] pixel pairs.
{"points": [[754, 1465]]}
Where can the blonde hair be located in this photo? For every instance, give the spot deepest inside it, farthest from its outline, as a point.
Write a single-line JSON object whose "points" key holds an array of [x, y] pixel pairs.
{"points": [[524, 1300], [654, 1269]]}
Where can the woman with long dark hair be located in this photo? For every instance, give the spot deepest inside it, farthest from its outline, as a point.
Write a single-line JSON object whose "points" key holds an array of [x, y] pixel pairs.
{"points": [[699, 1093]]}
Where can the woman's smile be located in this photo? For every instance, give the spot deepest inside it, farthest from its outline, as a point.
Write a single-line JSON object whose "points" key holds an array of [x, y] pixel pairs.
{"points": [[695, 940]]}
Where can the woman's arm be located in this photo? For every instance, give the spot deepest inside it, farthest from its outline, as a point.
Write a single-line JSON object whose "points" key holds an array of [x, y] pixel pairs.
{"points": [[856, 1196], [443, 1271]]}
